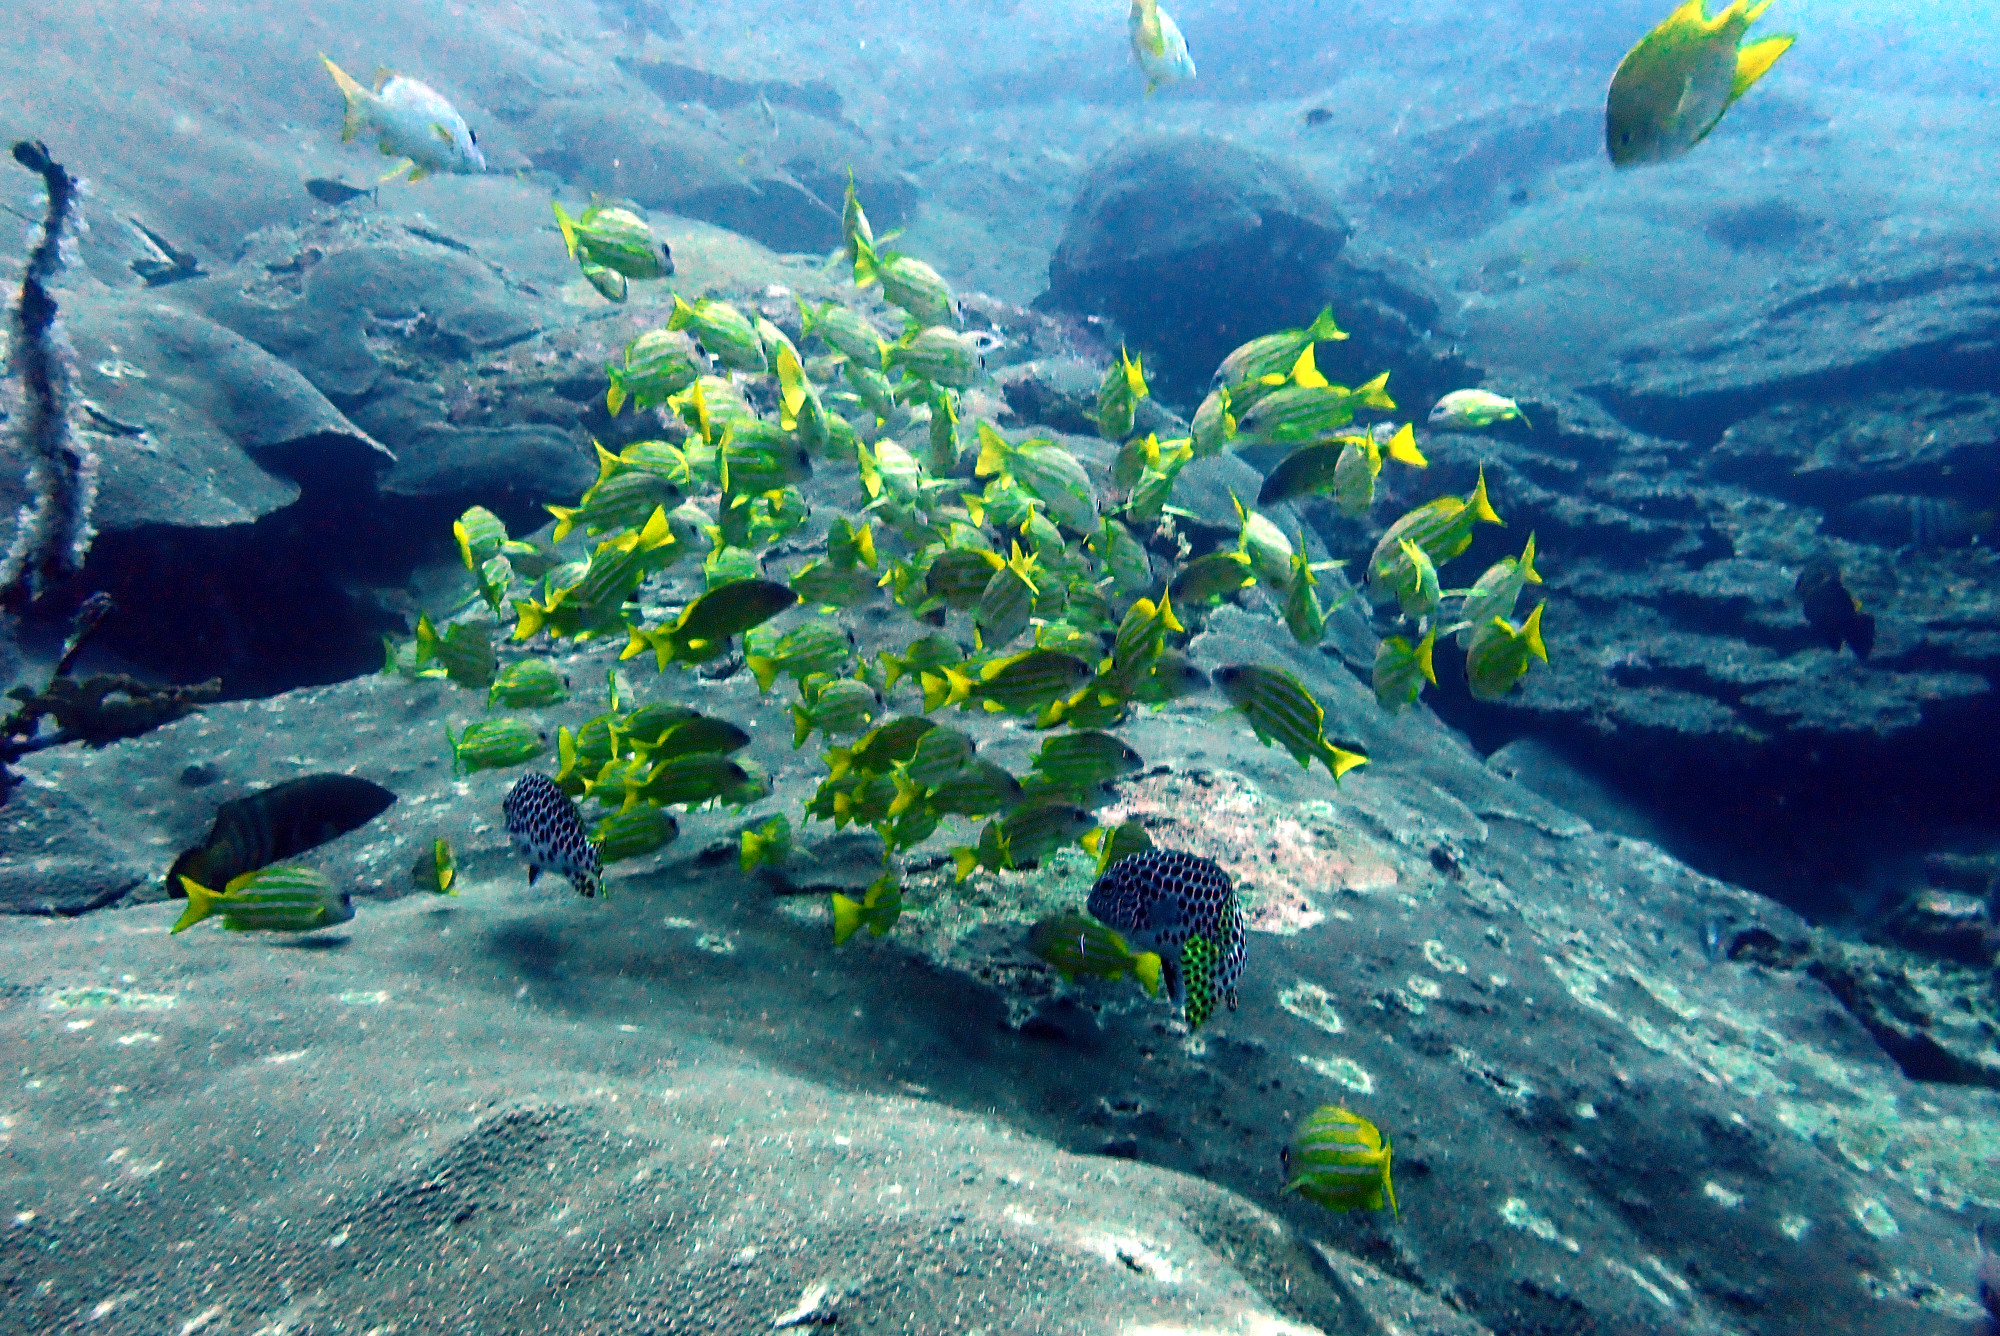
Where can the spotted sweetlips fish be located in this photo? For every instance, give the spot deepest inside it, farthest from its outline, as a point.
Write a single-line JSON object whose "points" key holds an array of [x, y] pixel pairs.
{"points": [[1183, 907], [547, 831]]}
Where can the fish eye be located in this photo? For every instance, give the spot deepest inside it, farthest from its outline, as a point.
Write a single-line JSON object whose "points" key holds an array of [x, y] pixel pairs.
{"points": [[473, 135]]}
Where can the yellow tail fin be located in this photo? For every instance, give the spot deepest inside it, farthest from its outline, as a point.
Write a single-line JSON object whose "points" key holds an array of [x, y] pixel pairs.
{"points": [[846, 917], [1754, 61], [201, 903], [1146, 968], [356, 118], [1340, 762], [1403, 448], [993, 450], [1527, 563], [1531, 630], [1482, 509], [568, 226], [865, 262]]}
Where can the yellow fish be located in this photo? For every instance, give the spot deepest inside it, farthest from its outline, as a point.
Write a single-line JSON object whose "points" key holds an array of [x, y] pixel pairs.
{"points": [[1672, 88]]}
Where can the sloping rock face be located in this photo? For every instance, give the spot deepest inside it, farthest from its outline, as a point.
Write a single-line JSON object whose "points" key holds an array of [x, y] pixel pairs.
{"points": [[768, 159], [1850, 421], [222, 470], [1460, 178], [1916, 319], [644, 1179], [1682, 664]]}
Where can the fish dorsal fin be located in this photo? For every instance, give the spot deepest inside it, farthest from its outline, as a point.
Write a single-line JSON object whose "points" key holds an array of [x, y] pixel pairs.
{"points": [[382, 76]]}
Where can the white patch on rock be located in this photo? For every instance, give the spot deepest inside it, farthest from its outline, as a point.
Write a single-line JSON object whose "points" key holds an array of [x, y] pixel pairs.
{"points": [[1313, 1005], [1520, 1215], [1342, 1071]]}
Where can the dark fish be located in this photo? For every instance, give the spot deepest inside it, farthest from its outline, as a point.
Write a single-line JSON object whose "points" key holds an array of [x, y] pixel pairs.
{"points": [[546, 830], [1162, 901], [1915, 521], [1989, 1281], [331, 190], [277, 823], [1832, 612], [1317, 116], [163, 264]]}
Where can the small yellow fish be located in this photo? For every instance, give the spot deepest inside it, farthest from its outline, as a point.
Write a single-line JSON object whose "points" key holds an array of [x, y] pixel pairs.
{"points": [[1340, 1160], [436, 869]]}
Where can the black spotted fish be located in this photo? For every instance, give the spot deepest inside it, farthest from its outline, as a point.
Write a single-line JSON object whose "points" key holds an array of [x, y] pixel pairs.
{"points": [[1182, 908], [546, 830]]}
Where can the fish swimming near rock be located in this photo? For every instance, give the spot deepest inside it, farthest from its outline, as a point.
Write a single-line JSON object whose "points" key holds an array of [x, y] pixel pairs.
{"points": [[1469, 410], [1922, 522], [1161, 901], [332, 190], [1833, 613], [1340, 1160], [280, 822], [1989, 1281], [1672, 88], [1158, 45], [409, 119], [436, 869], [545, 829], [271, 899], [1080, 946]]}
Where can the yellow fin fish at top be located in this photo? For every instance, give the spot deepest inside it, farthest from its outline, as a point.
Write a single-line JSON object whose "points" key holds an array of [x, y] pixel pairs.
{"points": [[1672, 88]]}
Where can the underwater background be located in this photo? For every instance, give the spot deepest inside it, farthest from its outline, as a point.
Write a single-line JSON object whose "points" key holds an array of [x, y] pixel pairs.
{"points": [[1052, 667]]}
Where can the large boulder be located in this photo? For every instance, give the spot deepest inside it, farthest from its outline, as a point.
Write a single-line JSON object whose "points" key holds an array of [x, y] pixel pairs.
{"points": [[1194, 244]]}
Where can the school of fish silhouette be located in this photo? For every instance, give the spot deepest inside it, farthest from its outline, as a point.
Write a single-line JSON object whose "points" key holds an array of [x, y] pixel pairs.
{"points": [[1058, 582]]}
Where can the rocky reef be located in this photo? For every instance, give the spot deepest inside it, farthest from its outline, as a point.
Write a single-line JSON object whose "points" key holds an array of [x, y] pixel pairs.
{"points": [[1670, 975]]}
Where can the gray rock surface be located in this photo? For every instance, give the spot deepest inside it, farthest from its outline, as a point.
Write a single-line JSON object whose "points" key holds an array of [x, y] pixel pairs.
{"points": [[196, 426], [1641, 1136], [1924, 317], [56, 859], [421, 1109]]}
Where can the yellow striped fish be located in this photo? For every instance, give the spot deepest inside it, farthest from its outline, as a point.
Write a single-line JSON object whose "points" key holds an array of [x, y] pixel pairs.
{"points": [[1340, 1160], [273, 899]]}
